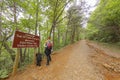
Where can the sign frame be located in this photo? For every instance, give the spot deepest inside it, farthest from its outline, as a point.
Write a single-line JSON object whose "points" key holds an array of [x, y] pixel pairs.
{"points": [[25, 40]]}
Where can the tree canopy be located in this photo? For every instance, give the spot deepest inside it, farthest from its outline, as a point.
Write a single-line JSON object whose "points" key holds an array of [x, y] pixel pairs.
{"points": [[104, 23]]}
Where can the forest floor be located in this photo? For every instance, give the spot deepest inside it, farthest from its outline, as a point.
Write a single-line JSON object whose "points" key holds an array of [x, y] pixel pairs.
{"points": [[83, 60]]}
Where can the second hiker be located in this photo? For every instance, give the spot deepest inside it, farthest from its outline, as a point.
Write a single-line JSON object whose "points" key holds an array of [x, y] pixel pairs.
{"points": [[48, 47]]}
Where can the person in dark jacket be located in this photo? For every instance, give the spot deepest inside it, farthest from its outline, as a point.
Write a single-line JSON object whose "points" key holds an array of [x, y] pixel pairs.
{"points": [[38, 59], [48, 47]]}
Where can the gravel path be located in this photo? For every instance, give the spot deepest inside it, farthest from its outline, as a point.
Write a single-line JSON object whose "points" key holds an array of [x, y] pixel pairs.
{"points": [[79, 66], [70, 63]]}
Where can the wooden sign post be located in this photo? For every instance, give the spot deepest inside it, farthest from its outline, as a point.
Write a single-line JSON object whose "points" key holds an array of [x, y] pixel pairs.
{"points": [[23, 40]]}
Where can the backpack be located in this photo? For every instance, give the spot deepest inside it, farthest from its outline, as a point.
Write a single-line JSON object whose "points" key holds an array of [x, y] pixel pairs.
{"points": [[49, 45]]}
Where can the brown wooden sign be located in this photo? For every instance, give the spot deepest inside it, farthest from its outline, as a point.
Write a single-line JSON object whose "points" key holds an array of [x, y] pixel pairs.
{"points": [[25, 40]]}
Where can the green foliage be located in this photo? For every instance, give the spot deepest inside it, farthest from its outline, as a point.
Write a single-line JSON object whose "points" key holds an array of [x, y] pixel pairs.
{"points": [[5, 64], [3, 73], [105, 19], [75, 18]]}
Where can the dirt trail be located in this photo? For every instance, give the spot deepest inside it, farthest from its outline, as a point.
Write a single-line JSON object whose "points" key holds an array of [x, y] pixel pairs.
{"points": [[106, 61], [74, 62]]}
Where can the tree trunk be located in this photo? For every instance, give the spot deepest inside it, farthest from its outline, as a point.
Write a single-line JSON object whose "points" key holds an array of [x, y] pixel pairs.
{"points": [[47, 28], [51, 30], [21, 56], [40, 41], [66, 36], [1, 27], [0, 21], [58, 36], [28, 54], [36, 24], [15, 66], [77, 33], [24, 54], [53, 36], [35, 49], [73, 35]]}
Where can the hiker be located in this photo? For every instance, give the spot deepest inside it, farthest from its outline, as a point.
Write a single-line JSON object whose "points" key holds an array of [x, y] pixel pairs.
{"points": [[38, 59], [48, 47]]}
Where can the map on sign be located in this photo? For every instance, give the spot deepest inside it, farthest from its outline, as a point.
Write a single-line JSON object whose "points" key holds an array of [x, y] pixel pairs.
{"points": [[25, 40]]}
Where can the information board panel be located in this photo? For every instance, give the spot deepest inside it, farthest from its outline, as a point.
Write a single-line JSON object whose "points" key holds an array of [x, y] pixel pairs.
{"points": [[25, 40]]}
